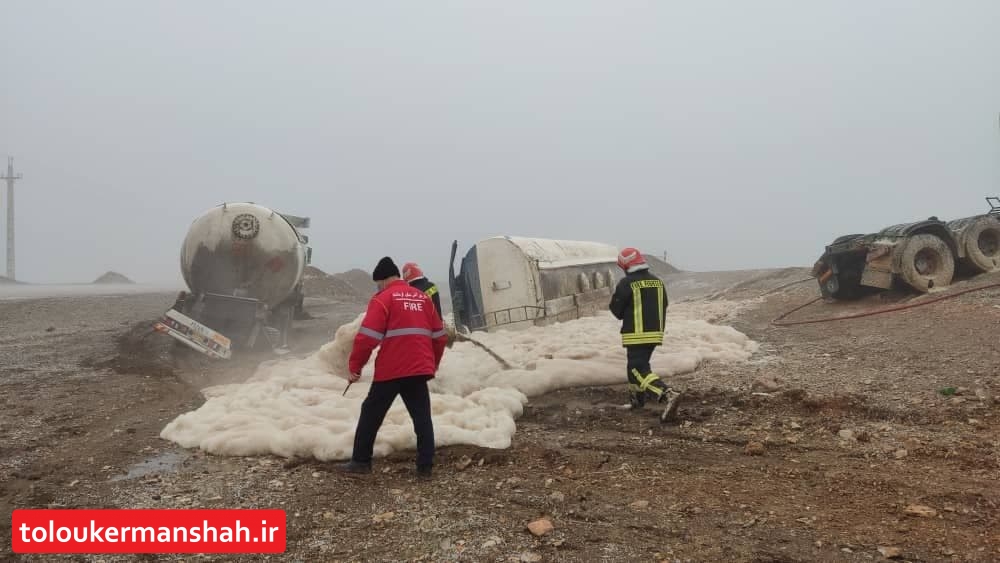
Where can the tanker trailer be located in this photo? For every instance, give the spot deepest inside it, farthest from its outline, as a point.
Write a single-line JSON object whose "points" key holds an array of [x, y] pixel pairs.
{"points": [[509, 282], [243, 264]]}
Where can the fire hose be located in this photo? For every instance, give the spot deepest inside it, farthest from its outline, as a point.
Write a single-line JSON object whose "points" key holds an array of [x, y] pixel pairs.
{"points": [[455, 336], [459, 337], [780, 322]]}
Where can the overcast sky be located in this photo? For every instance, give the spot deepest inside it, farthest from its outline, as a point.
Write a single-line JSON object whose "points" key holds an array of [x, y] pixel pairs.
{"points": [[730, 134]]}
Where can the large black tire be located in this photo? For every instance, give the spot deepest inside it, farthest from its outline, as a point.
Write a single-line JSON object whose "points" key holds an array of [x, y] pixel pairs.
{"points": [[926, 262], [846, 284], [982, 244]]}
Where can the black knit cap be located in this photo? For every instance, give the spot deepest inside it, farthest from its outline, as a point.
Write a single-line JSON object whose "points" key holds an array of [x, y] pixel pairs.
{"points": [[386, 268]]}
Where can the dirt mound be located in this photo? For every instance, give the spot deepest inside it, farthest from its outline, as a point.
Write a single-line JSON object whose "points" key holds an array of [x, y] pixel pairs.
{"points": [[660, 267], [138, 350], [352, 285], [359, 280], [113, 278]]}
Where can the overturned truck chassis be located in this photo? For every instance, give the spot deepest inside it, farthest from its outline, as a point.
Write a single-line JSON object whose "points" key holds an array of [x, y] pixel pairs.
{"points": [[923, 255]]}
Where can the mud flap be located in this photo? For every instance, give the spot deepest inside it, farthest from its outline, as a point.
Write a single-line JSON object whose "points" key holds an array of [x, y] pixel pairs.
{"points": [[878, 268], [874, 277]]}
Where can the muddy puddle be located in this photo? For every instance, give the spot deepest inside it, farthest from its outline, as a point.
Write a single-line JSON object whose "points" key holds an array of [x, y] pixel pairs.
{"points": [[166, 462]]}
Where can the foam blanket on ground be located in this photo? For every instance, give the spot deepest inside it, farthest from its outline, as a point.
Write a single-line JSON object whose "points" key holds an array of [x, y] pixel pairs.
{"points": [[296, 408]]}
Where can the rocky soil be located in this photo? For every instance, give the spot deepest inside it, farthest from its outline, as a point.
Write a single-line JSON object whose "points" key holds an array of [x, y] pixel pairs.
{"points": [[852, 440]]}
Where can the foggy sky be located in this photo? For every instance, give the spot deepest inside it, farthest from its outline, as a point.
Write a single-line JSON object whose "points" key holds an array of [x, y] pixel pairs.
{"points": [[729, 134]]}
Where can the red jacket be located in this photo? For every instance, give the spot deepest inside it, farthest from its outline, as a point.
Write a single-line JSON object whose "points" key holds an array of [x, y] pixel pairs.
{"points": [[402, 320]]}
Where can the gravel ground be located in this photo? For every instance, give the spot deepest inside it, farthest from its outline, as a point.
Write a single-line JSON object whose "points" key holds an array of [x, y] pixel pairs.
{"points": [[818, 449]]}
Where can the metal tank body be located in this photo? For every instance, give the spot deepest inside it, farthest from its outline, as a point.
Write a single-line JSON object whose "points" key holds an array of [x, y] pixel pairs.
{"points": [[511, 282], [243, 250]]}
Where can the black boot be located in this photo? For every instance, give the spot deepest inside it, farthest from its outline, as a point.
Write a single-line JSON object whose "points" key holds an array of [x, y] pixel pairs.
{"points": [[636, 398], [355, 467], [636, 401], [425, 471], [672, 400]]}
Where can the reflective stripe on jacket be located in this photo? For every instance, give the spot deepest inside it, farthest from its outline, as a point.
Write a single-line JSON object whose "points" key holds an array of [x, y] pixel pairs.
{"points": [[402, 323], [640, 302]]}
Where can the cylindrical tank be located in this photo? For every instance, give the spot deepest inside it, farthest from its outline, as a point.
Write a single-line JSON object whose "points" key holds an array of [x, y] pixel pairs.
{"points": [[245, 250]]}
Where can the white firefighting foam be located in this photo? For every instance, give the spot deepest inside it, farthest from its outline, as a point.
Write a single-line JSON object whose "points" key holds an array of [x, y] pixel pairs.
{"points": [[296, 408]]}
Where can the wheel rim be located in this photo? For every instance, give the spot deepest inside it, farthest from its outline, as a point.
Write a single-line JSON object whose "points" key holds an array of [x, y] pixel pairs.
{"points": [[832, 285], [989, 242], [927, 262]]}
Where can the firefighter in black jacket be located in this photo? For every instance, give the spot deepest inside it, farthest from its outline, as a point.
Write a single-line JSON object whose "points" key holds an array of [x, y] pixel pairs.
{"points": [[640, 302], [415, 277]]}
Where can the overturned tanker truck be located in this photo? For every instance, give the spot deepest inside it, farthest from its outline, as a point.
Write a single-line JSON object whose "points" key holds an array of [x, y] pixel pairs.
{"points": [[509, 282], [243, 264], [924, 255]]}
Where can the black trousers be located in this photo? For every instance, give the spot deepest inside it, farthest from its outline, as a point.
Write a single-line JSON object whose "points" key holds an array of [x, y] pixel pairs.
{"points": [[380, 397], [641, 378]]}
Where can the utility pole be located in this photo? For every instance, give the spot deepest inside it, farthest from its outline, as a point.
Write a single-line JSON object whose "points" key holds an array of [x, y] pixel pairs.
{"points": [[11, 178]]}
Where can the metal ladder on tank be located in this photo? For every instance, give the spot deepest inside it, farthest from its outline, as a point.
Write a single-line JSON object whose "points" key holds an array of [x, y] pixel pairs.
{"points": [[994, 205]]}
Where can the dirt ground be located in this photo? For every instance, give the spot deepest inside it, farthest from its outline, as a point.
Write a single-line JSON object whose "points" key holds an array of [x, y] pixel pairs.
{"points": [[835, 441]]}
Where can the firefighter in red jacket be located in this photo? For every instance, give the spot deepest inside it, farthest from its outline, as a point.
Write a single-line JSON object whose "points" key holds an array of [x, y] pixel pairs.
{"points": [[415, 277], [402, 322]]}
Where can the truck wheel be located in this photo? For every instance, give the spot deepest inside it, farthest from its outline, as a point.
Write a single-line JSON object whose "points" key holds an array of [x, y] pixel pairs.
{"points": [[982, 244], [926, 262]]}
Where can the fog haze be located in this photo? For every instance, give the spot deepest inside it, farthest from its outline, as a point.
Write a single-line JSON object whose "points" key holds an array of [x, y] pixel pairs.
{"points": [[728, 134]]}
